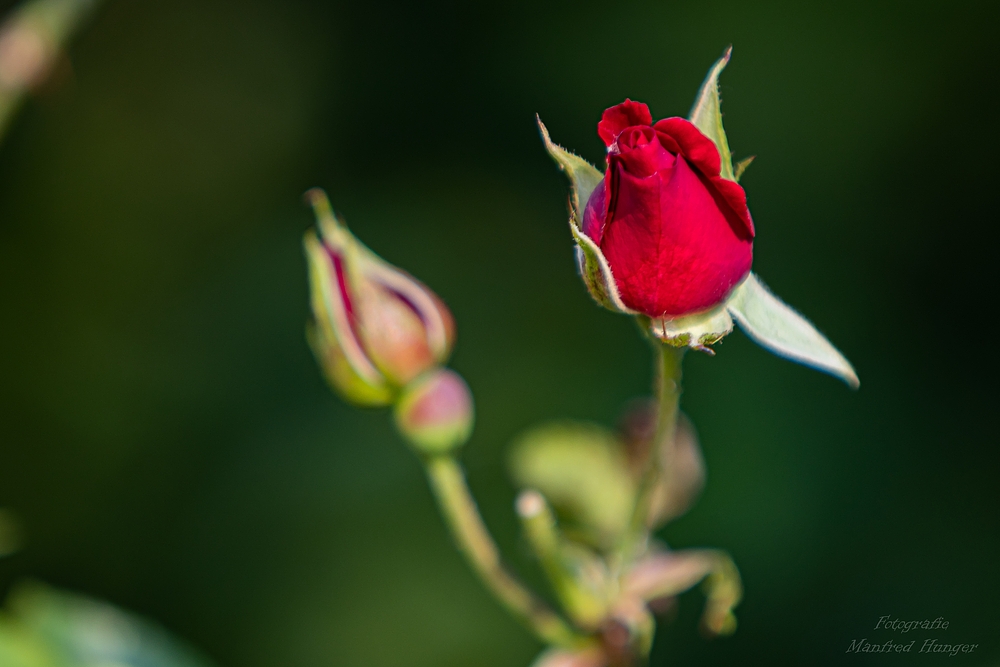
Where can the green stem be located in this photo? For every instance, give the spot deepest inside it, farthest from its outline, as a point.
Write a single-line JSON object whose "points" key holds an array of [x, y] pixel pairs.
{"points": [[585, 605], [668, 390], [474, 541]]}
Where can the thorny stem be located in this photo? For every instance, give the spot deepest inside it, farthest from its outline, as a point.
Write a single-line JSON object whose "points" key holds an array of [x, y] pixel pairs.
{"points": [[668, 389], [474, 541]]}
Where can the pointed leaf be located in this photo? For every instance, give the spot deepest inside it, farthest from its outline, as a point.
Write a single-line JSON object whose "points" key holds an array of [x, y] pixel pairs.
{"points": [[706, 114], [774, 325], [583, 176]]}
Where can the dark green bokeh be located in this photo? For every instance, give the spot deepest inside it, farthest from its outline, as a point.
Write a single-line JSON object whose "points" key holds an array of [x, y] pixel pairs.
{"points": [[167, 441]]}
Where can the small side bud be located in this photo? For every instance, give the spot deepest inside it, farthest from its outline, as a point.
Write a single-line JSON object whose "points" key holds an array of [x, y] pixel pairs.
{"points": [[435, 412]]}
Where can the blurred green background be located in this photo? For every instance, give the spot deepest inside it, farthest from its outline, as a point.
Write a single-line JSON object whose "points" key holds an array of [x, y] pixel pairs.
{"points": [[167, 442]]}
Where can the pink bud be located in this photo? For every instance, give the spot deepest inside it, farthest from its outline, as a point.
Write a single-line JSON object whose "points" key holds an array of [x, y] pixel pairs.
{"points": [[435, 413], [376, 328]]}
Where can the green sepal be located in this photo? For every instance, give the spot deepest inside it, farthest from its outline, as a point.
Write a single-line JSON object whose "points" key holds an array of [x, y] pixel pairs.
{"points": [[596, 273], [724, 590], [706, 114], [594, 268], [777, 327], [670, 573], [741, 167], [696, 331], [339, 352], [583, 176]]}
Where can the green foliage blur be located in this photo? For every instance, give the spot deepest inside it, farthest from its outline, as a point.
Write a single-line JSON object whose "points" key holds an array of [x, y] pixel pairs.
{"points": [[167, 442], [43, 627]]}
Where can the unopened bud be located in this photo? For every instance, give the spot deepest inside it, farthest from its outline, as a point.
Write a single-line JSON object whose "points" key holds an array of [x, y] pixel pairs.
{"points": [[435, 412], [375, 327]]}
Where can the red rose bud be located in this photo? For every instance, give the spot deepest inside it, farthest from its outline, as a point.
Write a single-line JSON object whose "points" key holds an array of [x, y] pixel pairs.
{"points": [[435, 412], [375, 327], [677, 235], [665, 233]]}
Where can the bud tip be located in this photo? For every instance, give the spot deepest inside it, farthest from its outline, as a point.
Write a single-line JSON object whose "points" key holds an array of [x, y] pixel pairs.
{"points": [[530, 503], [316, 197]]}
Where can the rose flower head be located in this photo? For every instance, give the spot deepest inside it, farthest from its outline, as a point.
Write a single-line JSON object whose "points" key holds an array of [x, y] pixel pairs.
{"points": [[375, 327], [664, 233]]}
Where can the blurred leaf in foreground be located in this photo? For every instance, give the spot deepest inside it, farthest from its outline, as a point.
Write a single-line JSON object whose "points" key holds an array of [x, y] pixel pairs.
{"points": [[43, 627]]}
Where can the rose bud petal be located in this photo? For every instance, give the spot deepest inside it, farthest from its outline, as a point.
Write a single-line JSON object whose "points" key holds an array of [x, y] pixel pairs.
{"points": [[375, 327], [393, 334], [435, 412], [677, 236]]}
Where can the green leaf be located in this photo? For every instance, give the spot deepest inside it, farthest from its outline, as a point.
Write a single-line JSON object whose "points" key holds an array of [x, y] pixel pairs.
{"points": [[774, 325], [43, 627], [583, 176], [20, 647], [582, 470], [706, 114]]}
